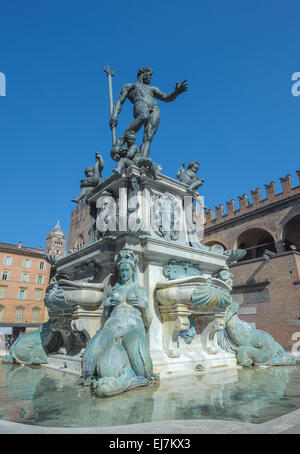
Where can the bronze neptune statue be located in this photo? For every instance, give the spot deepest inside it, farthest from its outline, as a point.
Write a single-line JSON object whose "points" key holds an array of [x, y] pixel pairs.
{"points": [[145, 109]]}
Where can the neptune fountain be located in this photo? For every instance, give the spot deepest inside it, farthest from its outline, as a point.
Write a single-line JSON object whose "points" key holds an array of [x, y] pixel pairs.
{"points": [[144, 299]]}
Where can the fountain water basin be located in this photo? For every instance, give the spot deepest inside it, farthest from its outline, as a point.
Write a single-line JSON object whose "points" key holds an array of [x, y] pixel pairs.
{"points": [[88, 296], [196, 292], [192, 311]]}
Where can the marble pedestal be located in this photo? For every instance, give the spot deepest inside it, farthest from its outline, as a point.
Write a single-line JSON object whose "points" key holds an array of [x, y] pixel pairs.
{"points": [[88, 321], [132, 210]]}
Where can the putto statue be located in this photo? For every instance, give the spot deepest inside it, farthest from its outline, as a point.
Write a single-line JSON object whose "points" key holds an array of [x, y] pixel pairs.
{"points": [[117, 358], [145, 109], [189, 176], [93, 178], [126, 152]]}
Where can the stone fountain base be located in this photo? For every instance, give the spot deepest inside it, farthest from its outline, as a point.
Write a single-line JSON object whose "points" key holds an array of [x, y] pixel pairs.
{"points": [[191, 362], [64, 363]]}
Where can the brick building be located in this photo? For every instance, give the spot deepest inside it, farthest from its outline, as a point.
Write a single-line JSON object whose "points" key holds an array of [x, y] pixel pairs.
{"points": [[266, 281], [24, 276], [79, 226]]}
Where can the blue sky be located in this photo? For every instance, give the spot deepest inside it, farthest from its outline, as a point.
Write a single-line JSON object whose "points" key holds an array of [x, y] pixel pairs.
{"points": [[238, 118]]}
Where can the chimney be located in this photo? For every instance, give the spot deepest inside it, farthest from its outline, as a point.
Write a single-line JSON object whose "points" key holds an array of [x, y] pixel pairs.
{"points": [[298, 173], [20, 245]]}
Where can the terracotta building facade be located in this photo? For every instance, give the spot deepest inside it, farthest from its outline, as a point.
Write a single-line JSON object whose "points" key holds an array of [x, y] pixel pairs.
{"points": [[24, 276], [266, 281]]}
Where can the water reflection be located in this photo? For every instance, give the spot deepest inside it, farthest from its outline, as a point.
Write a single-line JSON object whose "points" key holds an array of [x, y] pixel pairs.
{"points": [[17, 389], [37, 395]]}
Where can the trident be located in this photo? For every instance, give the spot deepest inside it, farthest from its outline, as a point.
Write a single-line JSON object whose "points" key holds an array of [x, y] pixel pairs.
{"points": [[110, 74]]}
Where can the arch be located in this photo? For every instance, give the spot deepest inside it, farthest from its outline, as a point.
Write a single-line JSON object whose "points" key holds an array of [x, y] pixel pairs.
{"points": [[291, 234], [213, 242], [255, 241], [256, 226], [293, 212]]}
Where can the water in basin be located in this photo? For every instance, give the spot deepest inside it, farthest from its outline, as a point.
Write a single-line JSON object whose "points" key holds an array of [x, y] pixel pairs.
{"points": [[45, 397]]}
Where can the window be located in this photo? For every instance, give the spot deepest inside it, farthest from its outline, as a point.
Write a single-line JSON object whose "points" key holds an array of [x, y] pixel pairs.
{"points": [[25, 277], [22, 293], [38, 294], [1, 313], [27, 263], [19, 314], [5, 275], [2, 292], [42, 265], [7, 260], [40, 279], [35, 314]]}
